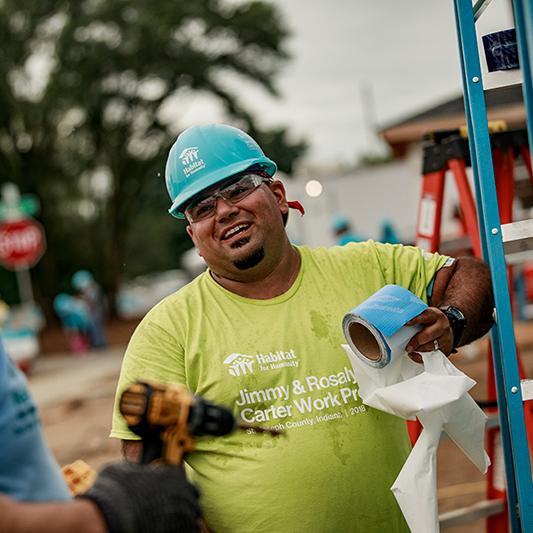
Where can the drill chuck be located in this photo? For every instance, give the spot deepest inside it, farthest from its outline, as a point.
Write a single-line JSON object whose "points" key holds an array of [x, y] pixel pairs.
{"points": [[207, 418]]}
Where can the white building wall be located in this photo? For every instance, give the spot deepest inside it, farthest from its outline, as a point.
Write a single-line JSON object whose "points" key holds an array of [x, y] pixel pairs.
{"points": [[367, 197]]}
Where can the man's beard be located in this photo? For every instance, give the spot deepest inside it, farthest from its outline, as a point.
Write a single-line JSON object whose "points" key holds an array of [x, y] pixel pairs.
{"points": [[252, 260]]}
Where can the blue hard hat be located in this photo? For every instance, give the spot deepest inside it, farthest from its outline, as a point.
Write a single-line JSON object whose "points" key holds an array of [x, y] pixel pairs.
{"points": [[82, 279], [62, 303], [207, 154], [339, 222], [388, 233]]}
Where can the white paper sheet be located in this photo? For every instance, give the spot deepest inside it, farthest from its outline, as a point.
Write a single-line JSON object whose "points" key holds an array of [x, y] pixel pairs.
{"points": [[436, 392]]}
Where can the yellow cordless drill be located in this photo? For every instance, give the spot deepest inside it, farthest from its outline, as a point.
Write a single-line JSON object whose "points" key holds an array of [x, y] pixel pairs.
{"points": [[167, 417]]}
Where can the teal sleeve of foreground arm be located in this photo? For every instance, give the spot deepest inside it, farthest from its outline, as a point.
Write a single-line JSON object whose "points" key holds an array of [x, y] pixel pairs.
{"points": [[28, 471]]}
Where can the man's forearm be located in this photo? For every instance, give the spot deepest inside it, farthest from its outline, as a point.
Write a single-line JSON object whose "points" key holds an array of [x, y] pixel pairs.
{"points": [[132, 450], [81, 516], [468, 288]]}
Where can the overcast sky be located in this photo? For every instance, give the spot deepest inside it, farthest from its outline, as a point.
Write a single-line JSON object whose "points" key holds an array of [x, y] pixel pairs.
{"points": [[404, 50]]}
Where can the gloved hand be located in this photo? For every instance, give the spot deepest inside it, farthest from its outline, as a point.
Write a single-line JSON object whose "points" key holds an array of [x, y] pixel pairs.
{"points": [[146, 498]]}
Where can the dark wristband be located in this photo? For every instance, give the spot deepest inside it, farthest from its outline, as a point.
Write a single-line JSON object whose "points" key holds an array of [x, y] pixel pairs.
{"points": [[457, 322]]}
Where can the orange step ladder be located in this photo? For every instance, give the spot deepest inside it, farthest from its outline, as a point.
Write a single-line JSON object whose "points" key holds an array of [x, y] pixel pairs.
{"points": [[447, 152]]}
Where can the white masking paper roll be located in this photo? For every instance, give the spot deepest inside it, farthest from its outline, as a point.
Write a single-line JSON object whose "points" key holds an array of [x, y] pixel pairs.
{"points": [[435, 392]]}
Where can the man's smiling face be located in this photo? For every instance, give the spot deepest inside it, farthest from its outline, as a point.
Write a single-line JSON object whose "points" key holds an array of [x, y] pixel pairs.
{"points": [[238, 238]]}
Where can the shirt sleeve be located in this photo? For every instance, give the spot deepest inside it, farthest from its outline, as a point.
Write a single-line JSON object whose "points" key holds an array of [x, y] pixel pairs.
{"points": [[411, 267], [153, 353], [28, 470]]}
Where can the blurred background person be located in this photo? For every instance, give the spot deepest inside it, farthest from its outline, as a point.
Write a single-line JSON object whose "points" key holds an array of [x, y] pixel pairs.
{"points": [[343, 232], [388, 233], [74, 316], [93, 296], [19, 329]]}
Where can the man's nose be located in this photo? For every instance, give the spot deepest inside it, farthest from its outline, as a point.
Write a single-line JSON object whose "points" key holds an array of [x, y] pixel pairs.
{"points": [[224, 208]]}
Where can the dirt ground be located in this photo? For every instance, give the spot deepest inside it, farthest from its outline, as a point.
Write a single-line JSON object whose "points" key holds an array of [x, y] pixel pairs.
{"points": [[75, 397]]}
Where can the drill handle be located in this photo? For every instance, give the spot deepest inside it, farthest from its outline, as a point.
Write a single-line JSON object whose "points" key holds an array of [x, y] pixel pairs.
{"points": [[152, 447]]}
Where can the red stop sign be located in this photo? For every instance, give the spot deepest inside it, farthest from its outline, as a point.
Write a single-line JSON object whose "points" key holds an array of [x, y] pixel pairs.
{"points": [[22, 243]]}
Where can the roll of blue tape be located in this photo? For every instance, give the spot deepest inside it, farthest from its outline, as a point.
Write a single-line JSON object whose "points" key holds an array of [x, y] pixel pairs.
{"points": [[370, 326]]}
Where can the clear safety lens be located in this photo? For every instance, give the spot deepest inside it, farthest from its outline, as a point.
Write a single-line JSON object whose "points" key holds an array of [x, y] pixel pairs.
{"points": [[234, 192]]}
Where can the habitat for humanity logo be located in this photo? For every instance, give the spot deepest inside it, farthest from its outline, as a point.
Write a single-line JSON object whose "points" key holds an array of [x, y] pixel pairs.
{"points": [[191, 160], [239, 364]]}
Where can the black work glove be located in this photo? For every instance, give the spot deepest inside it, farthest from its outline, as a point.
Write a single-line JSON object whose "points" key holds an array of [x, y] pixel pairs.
{"points": [[146, 498]]}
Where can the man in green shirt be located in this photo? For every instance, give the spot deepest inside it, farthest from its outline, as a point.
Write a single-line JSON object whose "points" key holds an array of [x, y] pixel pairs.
{"points": [[261, 332]]}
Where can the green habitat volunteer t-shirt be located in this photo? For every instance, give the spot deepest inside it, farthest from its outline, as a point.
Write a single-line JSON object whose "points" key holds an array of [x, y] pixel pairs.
{"points": [[280, 363]]}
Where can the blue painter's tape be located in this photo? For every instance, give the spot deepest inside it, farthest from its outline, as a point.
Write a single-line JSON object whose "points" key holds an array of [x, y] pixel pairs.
{"points": [[390, 308]]}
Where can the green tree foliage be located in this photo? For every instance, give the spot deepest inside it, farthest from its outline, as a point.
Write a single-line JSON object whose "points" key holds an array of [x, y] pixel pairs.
{"points": [[89, 93]]}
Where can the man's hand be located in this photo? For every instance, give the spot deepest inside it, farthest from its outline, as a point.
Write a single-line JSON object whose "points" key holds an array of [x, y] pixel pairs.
{"points": [[436, 328], [146, 498]]}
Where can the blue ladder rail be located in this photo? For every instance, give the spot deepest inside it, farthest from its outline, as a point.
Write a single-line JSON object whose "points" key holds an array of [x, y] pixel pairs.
{"points": [[510, 403]]}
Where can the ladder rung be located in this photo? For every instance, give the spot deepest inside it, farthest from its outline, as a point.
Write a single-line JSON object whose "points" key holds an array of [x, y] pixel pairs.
{"points": [[518, 258], [517, 239], [527, 389], [464, 515], [457, 243], [527, 311], [493, 421]]}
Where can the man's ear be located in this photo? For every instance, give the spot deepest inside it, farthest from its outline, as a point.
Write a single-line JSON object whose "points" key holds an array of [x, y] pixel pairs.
{"points": [[278, 190], [190, 233]]}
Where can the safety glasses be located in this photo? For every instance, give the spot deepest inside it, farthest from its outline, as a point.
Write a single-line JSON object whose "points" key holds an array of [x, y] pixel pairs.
{"points": [[232, 192]]}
